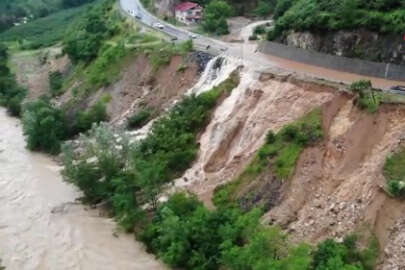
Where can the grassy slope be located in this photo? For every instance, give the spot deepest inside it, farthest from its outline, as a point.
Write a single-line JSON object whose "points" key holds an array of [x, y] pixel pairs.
{"points": [[43, 32], [394, 172]]}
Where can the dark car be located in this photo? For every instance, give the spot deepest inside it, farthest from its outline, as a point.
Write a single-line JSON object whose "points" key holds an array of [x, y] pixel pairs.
{"points": [[398, 88]]}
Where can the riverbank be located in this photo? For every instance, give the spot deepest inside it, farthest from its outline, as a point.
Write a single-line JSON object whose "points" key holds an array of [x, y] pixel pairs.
{"points": [[41, 223]]}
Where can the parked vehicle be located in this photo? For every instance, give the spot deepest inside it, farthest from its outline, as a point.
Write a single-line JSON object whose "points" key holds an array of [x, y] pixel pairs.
{"points": [[193, 36]]}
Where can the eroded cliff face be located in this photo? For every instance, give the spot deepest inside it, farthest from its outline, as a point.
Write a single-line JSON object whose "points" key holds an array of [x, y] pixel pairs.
{"points": [[338, 184], [361, 44]]}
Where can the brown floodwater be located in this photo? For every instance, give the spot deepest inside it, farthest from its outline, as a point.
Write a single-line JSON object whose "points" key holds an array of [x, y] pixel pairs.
{"points": [[41, 224]]}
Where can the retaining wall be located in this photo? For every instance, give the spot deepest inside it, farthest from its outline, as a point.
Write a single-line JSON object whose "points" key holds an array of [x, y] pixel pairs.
{"points": [[350, 65]]}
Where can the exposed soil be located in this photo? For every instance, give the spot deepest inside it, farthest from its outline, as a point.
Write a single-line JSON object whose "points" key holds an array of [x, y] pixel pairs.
{"points": [[337, 185], [32, 68], [241, 122], [141, 86]]}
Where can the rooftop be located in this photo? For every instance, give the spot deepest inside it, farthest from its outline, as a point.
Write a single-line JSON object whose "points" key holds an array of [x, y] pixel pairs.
{"points": [[186, 6]]}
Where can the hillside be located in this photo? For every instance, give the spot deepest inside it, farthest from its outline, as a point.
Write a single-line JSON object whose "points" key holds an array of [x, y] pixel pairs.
{"points": [[211, 161], [16, 11], [371, 30]]}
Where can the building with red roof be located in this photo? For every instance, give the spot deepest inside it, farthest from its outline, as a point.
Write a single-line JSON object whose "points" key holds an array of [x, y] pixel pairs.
{"points": [[188, 12]]}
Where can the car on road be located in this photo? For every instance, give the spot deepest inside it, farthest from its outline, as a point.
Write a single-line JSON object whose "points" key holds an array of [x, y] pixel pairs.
{"points": [[398, 88], [159, 25], [192, 36], [138, 16], [174, 39]]}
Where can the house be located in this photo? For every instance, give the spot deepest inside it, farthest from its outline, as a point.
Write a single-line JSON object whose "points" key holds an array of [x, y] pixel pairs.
{"points": [[188, 12]]}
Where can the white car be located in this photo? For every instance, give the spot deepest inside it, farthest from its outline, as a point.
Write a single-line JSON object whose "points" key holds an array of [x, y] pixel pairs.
{"points": [[193, 36], [159, 25]]}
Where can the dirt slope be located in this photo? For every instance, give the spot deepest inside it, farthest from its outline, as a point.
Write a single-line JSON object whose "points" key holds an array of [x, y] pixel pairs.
{"points": [[337, 186], [32, 68], [240, 124]]}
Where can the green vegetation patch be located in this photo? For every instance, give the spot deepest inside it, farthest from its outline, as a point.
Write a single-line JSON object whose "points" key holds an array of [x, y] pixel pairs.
{"points": [[102, 42], [278, 156], [139, 119], [129, 175], [215, 15], [11, 94], [42, 32], [55, 83], [394, 172], [367, 98], [186, 235], [45, 126], [383, 16]]}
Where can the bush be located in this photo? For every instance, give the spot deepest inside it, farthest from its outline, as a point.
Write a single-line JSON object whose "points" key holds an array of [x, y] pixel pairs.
{"points": [[11, 94], [394, 173], [259, 30], [264, 8], [45, 126], [253, 37], [94, 115], [270, 137], [55, 83], [139, 119], [186, 235], [367, 98], [335, 256]]}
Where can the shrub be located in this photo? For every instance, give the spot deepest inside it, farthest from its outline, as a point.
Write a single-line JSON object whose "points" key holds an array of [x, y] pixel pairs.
{"points": [[55, 82], [139, 119], [367, 98], [94, 115], [394, 172], [263, 9], [259, 30], [253, 37], [270, 137], [11, 94], [44, 125]]}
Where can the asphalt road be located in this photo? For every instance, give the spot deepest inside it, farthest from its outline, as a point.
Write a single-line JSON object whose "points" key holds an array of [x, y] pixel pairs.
{"points": [[150, 20]]}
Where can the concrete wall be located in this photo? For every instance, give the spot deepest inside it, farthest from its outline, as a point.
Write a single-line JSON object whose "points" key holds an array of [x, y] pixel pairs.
{"points": [[350, 65]]}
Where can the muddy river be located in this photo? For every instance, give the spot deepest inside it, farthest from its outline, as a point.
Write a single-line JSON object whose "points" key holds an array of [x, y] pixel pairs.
{"points": [[42, 226]]}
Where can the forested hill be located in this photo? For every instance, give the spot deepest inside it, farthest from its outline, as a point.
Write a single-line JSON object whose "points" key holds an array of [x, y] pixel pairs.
{"points": [[382, 16], [12, 11]]}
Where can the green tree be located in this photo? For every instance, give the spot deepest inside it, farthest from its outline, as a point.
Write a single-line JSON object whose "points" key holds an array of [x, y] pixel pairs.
{"points": [[215, 15], [44, 125], [263, 9]]}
